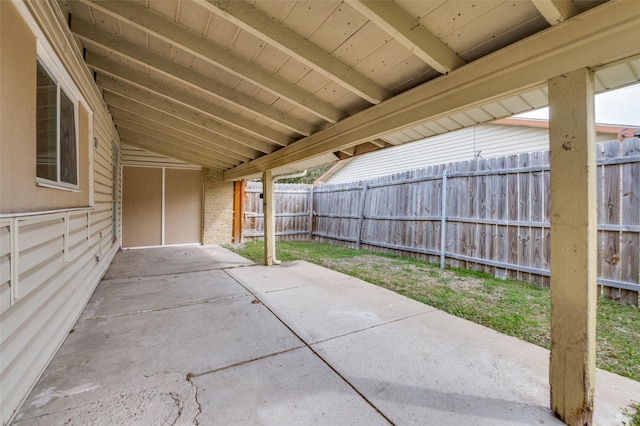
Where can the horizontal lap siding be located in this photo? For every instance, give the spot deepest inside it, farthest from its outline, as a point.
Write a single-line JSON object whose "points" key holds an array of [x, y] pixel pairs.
{"points": [[5, 266], [60, 257]]}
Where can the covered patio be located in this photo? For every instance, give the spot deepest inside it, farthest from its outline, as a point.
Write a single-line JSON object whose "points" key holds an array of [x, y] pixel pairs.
{"points": [[180, 335]]}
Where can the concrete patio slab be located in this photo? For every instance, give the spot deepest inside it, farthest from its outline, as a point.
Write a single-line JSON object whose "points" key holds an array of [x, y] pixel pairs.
{"points": [[161, 399], [292, 388], [288, 344], [437, 366], [172, 260], [189, 339], [287, 275], [329, 307], [131, 295]]}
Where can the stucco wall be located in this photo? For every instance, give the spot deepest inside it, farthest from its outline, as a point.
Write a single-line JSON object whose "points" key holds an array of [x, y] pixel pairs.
{"points": [[218, 209]]}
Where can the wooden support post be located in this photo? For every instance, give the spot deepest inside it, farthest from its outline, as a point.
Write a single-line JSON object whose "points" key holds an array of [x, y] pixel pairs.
{"points": [[269, 225], [238, 210], [573, 246]]}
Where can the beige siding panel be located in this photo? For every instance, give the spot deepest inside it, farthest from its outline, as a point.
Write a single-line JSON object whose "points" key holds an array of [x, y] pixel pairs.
{"points": [[132, 156], [5, 266], [78, 225], [183, 206], [141, 207], [52, 262], [27, 350], [5, 293], [51, 292]]}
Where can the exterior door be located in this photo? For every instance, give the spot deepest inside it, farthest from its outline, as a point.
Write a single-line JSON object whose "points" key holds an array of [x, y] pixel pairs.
{"points": [[161, 206]]}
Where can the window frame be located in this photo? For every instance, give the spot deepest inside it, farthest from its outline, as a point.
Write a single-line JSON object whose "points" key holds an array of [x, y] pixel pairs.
{"points": [[63, 85]]}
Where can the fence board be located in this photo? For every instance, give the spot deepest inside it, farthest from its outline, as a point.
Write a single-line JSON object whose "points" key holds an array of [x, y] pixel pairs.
{"points": [[630, 250], [497, 215]]}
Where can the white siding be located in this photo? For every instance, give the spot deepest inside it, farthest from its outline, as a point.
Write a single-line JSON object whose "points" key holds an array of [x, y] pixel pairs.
{"points": [[489, 140], [51, 262]]}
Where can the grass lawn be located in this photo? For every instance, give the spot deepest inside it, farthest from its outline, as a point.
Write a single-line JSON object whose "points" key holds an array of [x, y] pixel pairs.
{"points": [[510, 307]]}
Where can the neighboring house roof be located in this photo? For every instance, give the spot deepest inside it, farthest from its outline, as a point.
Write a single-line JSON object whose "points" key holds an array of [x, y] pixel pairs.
{"points": [[501, 137]]}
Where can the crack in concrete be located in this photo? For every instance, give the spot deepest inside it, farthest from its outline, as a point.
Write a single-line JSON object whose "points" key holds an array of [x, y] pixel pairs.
{"points": [[248, 361], [220, 268], [164, 308], [320, 357], [371, 327], [179, 404], [188, 377]]}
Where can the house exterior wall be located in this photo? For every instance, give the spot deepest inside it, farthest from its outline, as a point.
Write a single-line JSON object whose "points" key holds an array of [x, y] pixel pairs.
{"points": [[54, 244], [485, 140], [218, 209]]}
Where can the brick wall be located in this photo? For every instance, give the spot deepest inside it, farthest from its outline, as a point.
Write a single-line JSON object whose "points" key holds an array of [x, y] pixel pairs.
{"points": [[218, 208]]}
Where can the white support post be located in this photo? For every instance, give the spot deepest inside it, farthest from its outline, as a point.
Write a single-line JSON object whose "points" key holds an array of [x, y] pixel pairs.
{"points": [[269, 225], [573, 246]]}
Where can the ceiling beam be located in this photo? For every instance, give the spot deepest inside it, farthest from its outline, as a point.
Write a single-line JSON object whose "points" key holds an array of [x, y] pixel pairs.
{"points": [[175, 147], [184, 144], [555, 11], [380, 143], [168, 67], [135, 108], [133, 140], [265, 28], [140, 113], [149, 21], [140, 82], [398, 23], [132, 121], [601, 35]]}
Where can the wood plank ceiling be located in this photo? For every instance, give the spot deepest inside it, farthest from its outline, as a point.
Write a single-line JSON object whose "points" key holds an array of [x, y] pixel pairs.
{"points": [[220, 83]]}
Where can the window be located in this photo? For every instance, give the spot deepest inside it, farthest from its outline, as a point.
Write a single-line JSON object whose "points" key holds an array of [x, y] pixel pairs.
{"points": [[57, 145]]}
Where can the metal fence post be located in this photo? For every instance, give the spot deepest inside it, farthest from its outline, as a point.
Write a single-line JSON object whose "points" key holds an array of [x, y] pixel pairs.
{"points": [[443, 222], [363, 203], [311, 212]]}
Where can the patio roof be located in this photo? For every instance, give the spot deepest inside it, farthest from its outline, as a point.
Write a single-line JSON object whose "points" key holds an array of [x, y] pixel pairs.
{"points": [[244, 87], [185, 334]]}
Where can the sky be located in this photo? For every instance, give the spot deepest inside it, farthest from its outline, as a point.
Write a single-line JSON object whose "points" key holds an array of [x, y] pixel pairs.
{"points": [[620, 106]]}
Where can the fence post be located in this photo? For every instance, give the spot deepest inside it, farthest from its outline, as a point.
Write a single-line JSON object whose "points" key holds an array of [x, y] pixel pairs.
{"points": [[363, 203], [443, 221], [311, 212]]}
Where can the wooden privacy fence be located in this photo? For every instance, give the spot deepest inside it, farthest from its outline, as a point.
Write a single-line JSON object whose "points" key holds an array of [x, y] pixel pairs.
{"points": [[291, 206], [494, 213]]}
